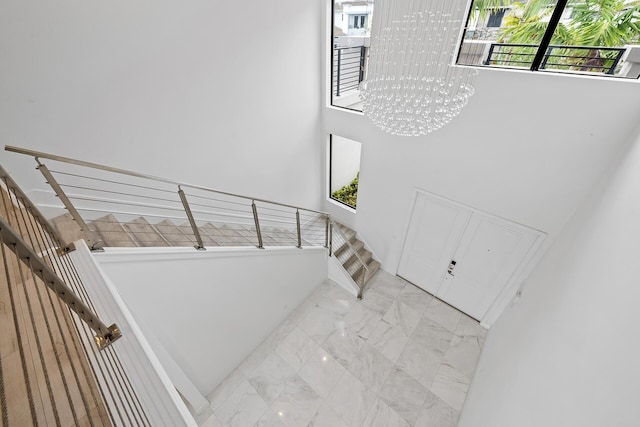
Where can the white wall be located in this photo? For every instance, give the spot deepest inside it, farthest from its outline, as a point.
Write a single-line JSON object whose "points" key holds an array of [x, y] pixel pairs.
{"points": [[212, 308], [186, 90], [567, 353], [528, 147], [345, 162]]}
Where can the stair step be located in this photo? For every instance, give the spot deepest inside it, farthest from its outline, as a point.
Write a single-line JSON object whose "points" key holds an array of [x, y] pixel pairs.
{"points": [[352, 264], [112, 233], [373, 267], [67, 228], [144, 233], [206, 233], [348, 233], [239, 236], [281, 237], [174, 235], [344, 252], [223, 236]]}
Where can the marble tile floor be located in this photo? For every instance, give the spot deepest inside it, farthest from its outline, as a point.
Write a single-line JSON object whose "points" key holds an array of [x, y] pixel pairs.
{"points": [[397, 358]]}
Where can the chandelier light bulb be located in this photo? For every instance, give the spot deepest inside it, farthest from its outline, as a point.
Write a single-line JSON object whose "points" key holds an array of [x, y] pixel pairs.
{"points": [[411, 88]]}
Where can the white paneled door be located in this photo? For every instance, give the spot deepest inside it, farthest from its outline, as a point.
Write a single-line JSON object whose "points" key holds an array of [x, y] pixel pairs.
{"points": [[435, 228], [462, 256]]}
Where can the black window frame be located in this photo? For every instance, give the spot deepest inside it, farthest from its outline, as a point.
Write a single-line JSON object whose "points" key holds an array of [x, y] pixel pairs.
{"points": [[546, 38]]}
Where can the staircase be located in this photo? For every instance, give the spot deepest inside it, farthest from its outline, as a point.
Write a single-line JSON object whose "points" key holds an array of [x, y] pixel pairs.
{"points": [[354, 257], [108, 231]]}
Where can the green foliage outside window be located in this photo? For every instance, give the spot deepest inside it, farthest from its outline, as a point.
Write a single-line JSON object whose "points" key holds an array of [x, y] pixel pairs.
{"points": [[593, 23], [348, 194]]}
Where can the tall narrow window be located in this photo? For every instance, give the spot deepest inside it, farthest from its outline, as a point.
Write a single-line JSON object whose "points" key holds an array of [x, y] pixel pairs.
{"points": [[344, 170], [350, 35]]}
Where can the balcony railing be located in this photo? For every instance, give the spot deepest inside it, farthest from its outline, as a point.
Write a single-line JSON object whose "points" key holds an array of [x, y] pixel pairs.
{"points": [[601, 60], [348, 68]]}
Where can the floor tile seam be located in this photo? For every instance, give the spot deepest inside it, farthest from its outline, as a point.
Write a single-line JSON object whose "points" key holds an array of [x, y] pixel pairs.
{"points": [[285, 380], [216, 412], [366, 411], [457, 371], [424, 401], [384, 381], [392, 410], [215, 416], [302, 331], [230, 392], [424, 405], [399, 325]]}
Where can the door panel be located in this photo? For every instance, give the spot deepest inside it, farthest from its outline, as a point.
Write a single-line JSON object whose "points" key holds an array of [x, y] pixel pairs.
{"points": [[489, 252], [434, 230]]}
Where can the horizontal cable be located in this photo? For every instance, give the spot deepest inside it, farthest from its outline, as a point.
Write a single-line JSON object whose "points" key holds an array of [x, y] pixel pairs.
{"points": [[113, 212], [216, 199], [122, 202], [113, 182], [120, 193]]}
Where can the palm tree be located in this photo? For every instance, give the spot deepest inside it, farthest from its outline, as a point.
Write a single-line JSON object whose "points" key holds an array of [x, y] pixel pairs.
{"points": [[606, 23], [593, 23]]}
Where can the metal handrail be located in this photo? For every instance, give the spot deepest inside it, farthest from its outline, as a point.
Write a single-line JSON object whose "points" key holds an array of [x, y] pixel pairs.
{"points": [[105, 334], [13, 186], [269, 206], [42, 155]]}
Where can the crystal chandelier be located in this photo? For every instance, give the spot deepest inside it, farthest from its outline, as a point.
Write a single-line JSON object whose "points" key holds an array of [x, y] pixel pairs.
{"points": [[410, 88]]}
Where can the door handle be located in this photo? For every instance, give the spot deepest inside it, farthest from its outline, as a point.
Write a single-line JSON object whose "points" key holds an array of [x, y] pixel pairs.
{"points": [[452, 265]]}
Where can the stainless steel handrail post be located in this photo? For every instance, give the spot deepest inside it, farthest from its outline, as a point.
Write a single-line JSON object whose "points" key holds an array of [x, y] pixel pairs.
{"points": [[298, 226], [330, 237], [192, 221], [327, 234], [255, 219], [66, 202], [105, 334], [12, 186]]}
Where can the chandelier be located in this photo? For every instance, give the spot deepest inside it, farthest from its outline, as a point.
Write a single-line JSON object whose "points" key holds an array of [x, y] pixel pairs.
{"points": [[411, 88]]}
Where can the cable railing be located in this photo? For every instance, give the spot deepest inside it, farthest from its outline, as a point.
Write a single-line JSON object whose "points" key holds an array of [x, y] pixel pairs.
{"points": [[358, 268], [51, 371], [117, 207]]}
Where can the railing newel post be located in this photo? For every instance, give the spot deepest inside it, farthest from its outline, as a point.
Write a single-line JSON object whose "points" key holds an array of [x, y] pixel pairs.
{"points": [[257, 222], [66, 202], [192, 221], [298, 227], [363, 51], [328, 228], [338, 72]]}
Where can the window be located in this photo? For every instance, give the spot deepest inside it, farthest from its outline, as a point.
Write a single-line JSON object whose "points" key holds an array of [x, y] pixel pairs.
{"points": [[344, 170], [351, 30], [565, 36], [357, 21], [495, 18]]}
